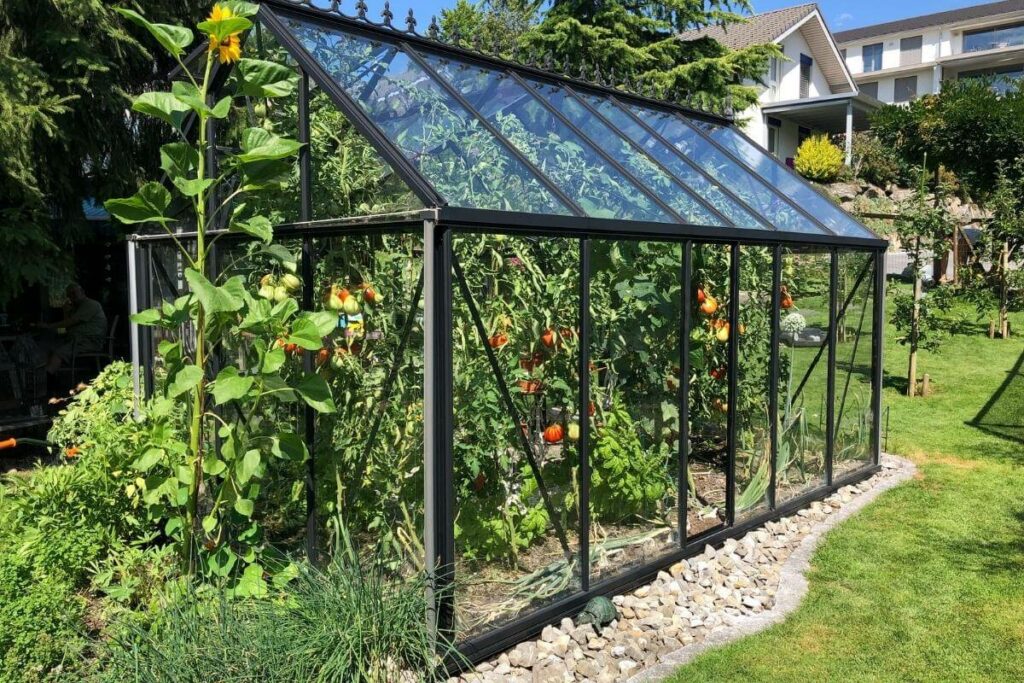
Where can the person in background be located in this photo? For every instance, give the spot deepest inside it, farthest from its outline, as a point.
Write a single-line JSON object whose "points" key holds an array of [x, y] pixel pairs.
{"points": [[83, 329]]}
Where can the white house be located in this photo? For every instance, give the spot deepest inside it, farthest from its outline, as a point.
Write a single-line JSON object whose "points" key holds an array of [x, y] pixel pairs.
{"points": [[810, 90], [900, 60]]}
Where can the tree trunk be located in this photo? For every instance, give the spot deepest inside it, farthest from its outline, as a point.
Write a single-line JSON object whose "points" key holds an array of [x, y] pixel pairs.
{"points": [[1004, 291], [915, 324]]}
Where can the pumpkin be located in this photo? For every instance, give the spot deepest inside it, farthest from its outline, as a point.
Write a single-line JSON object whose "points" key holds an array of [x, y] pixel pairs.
{"points": [[709, 306]]}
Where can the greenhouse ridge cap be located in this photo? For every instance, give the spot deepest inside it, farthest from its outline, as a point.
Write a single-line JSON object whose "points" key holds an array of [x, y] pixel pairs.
{"points": [[603, 83]]}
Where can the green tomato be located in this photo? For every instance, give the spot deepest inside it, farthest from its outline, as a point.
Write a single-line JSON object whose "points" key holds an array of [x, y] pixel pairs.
{"points": [[290, 282], [351, 306], [280, 294]]}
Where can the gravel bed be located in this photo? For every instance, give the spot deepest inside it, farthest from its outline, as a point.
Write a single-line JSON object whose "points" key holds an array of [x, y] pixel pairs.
{"points": [[722, 594]]}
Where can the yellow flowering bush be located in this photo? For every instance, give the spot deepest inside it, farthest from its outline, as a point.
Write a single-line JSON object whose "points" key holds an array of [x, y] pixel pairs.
{"points": [[818, 159]]}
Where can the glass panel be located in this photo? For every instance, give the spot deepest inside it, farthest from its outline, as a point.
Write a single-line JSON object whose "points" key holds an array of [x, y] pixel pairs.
{"points": [[872, 57], [753, 420], [634, 448], [634, 160], [709, 388], [994, 38], [512, 527], [753, 191], [803, 371], [371, 489], [854, 408], [349, 177], [467, 165], [280, 496], [783, 180], [683, 171], [571, 162]]}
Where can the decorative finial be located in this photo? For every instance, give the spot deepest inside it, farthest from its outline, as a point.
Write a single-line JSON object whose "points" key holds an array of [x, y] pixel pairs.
{"points": [[548, 60], [410, 22], [433, 30], [386, 14], [361, 9], [456, 36], [566, 65], [336, 6], [598, 77]]}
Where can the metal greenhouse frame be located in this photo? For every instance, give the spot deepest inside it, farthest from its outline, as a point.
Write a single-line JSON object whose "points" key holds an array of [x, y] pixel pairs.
{"points": [[726, 191]]}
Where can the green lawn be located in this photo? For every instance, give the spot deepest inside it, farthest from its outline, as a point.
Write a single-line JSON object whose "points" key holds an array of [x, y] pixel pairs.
{"points": [[927, 583]]}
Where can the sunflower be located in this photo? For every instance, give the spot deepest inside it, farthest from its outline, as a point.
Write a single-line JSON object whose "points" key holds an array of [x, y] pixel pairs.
{"points": [[220, 13], [230, 48]]}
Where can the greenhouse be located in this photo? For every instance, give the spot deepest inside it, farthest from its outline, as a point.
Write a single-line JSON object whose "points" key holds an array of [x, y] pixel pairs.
{"points": [[581, 332]]}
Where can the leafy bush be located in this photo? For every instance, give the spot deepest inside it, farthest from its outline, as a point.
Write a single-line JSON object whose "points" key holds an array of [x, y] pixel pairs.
{"points": [[818, 159], [876, 162], [40, 622], [348, 622]]}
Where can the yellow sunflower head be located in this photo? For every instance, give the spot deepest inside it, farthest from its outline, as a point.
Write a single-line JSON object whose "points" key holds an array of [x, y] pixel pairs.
{"points": [[229, 49], [220, 13]]}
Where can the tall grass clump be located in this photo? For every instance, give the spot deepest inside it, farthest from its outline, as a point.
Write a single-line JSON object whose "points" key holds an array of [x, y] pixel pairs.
{"points": [[351, 621]]}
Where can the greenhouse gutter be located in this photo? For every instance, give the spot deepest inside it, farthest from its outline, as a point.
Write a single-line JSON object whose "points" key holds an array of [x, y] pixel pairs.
{"points": [[581, 226]]}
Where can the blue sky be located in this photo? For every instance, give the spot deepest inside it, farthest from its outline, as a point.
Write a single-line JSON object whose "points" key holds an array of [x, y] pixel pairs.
{"points": [[840, 14]]}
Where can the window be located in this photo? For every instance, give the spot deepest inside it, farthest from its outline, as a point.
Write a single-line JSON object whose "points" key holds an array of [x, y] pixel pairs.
{"points": [[993, 38], [1003, 79], [801, 135], [773, 75], [773, 126], [870, 89], [910, 51], [805, 76], [873, 57], [905, 89]]}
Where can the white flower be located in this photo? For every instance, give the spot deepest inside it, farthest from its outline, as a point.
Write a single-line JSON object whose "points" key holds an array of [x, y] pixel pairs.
{"points": [[794, 323]]}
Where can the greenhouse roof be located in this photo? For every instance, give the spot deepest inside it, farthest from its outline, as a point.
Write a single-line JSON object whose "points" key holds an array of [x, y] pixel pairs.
{"points": [[469, 131]]}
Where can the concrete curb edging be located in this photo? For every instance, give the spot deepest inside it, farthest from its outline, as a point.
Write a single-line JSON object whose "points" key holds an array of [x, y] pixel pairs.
{"points": [[793, 584]]}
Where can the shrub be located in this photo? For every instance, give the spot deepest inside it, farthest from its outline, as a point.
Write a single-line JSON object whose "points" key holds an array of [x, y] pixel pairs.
{"points": [[819, 160], [40, 622], [875, 162]]}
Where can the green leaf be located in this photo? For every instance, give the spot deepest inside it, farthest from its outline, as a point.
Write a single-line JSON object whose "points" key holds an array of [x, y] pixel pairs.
{"points": [[222, 108], [257, 226], [273, 360], [150, 316], [278, 388], [244, 507], [240, 8], [213, 465], [163, 106], [178, 159], [174, 39], [149, 457], [251, 585], [186, 379], [271, 174], [325, 321], [260, 78], [261, 145], [230, 386], [290, 446], [227, 298], [149, 204], [306, 334], [192, 187], [315, 392], [225, 27], [209, 523], [248, 466], [222, 562], [281, 254]]}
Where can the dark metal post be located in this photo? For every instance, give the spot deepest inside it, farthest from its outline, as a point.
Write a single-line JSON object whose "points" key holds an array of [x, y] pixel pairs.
{"points": [[439, 530], [584, 413], [308, 286], [773, 372], [686, 322], [830, 401], [878, 334], [734, 371], [146, 301]]}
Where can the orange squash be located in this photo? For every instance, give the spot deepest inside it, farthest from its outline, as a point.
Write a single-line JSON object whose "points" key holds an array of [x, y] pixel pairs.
{"points": [[554, 433]]}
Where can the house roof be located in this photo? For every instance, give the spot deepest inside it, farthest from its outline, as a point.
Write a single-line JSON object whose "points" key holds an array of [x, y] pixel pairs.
{"points": [[758, 29], [774, 26], [990, 9]]}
